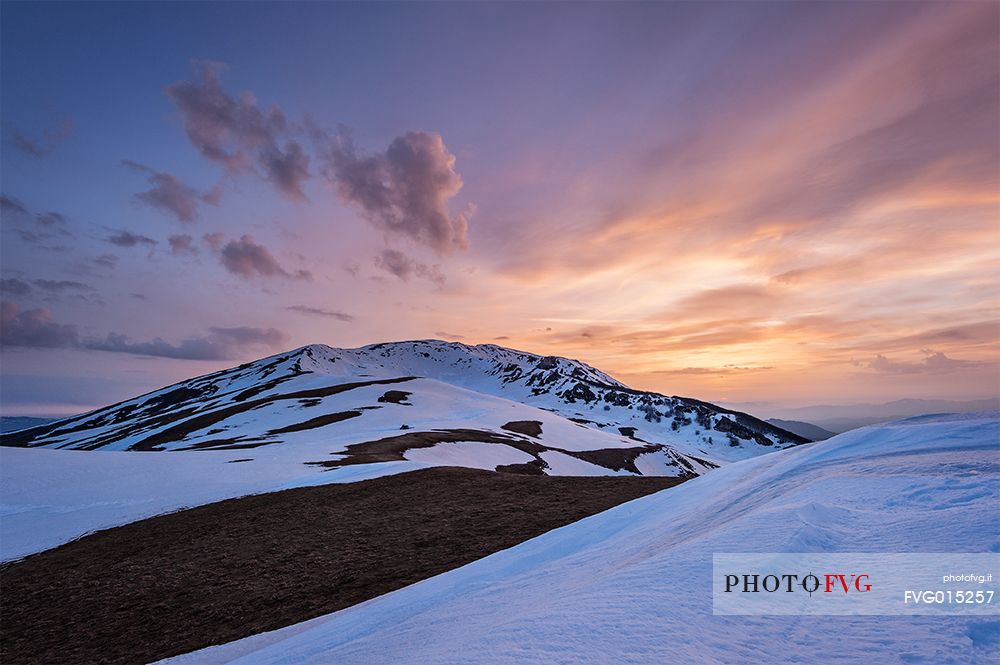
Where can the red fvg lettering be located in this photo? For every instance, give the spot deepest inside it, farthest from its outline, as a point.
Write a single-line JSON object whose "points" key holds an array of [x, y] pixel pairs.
{"points": [[858, 582]]}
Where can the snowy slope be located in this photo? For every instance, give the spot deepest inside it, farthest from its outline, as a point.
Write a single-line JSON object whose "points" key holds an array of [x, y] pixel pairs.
{"points": [[48, 497], [633, 584]]}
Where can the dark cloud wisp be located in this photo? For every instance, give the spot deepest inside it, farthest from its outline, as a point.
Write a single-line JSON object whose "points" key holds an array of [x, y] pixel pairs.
{"points": [[37, 328], [170, 194], [61, 285], [129, 239], [48, 141], [14, 287], [318, 311], [217, 344]]}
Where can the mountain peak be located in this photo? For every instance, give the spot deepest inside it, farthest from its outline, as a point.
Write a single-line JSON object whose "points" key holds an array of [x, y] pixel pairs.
{"points": [[485, 393]]}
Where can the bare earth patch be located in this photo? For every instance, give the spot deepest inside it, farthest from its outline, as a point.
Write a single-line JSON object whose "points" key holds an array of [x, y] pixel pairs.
{"points": [[532, 428], [216, 573], [320, 421], [393, 449], [395, 397]]}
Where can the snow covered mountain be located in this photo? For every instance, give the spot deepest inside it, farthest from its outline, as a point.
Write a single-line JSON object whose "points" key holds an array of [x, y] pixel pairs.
{"points": [[321, 415], [345, 395], [633, 584]]}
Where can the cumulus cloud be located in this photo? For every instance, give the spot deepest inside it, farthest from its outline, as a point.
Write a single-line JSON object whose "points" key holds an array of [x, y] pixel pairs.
{"points": [[214, 240], [171, 194], [235, 133], [213, 196], [404, 190], [287, 169], [396, 263], [129, 239], [317, 311], [44, 144], [247, 258], [182, 244], [33, 328]]}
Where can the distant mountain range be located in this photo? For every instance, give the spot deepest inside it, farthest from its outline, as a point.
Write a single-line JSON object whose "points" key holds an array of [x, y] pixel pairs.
{"points": [[846, 417], [807, 430], [14, 423]]}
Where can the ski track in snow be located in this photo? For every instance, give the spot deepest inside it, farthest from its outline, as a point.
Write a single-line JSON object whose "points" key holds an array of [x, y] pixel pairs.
{"points": [[633, 584]]}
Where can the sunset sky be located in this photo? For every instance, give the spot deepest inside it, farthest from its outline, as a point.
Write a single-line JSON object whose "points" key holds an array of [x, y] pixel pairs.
{"points": [[782, 203]]}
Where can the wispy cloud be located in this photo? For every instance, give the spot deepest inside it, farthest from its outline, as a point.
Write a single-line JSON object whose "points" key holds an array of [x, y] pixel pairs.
{"points": [[50, 290], [61, 285], [11, 206], [14, 287], [172, 195], [43, 144], [36, 228], [37, 328], [217, 344], [319, 311], [129, 239], [725, 370]]}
